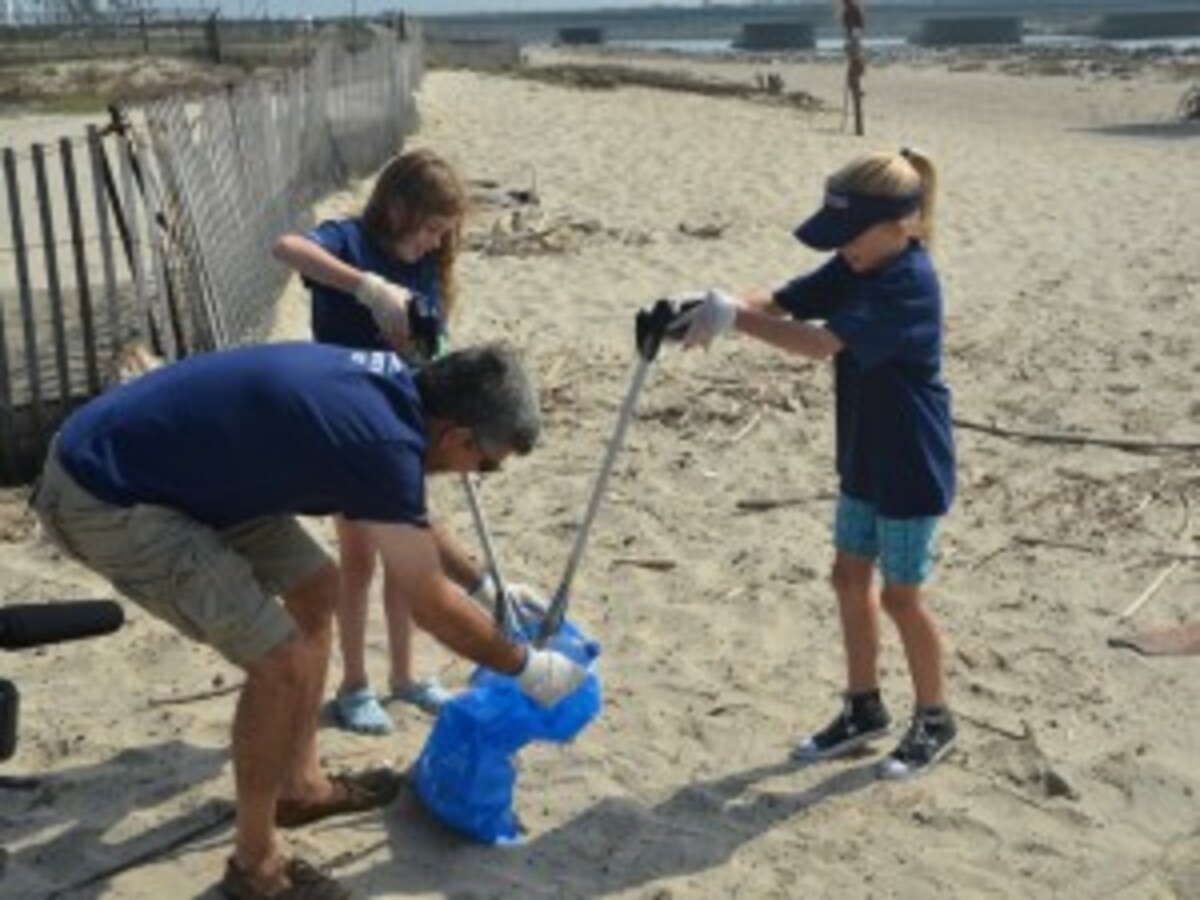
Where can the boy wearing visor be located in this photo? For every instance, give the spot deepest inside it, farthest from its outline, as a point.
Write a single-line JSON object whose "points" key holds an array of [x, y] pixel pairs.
{"points": [[881, 308]]}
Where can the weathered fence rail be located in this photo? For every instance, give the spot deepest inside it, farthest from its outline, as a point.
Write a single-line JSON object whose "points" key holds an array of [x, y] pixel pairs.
{"points": [[196, 32], [155, 229]]}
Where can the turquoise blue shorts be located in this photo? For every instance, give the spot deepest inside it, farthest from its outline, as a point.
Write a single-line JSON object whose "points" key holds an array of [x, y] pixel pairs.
{"points": [[904, 548]]}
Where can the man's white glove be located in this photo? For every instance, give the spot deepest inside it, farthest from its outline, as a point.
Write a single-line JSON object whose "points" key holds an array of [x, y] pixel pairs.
{"points": [[706, 320], [548, 676], [388, 304]]}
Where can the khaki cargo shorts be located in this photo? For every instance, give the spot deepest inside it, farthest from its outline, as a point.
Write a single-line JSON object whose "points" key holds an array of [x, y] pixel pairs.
{"points": [[215, 586]]}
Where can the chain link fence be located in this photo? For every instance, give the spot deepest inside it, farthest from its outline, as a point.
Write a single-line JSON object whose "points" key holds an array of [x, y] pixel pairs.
{"points": [[154, 230]]}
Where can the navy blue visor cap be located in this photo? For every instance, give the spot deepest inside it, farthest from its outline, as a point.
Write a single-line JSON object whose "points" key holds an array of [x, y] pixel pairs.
{"points": [[844, 216]]}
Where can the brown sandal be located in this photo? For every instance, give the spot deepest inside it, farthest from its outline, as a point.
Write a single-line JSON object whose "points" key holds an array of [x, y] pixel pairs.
{"points": [[352, 792], [307, 882]]}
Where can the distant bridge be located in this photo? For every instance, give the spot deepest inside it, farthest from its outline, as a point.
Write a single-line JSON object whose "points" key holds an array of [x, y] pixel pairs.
{"points": [[724, 22]]}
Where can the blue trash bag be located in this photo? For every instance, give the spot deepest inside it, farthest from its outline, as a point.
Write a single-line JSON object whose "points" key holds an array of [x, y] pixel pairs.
{"points": [[466, 772]]}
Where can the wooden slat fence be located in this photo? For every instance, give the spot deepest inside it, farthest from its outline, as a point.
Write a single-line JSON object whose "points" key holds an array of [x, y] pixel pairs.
{"points": [[155, 229]]}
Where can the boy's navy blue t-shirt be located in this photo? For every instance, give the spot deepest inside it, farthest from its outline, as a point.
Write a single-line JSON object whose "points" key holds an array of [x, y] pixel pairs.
{"points": [[337, 318], [258, 431], [895, 442]]}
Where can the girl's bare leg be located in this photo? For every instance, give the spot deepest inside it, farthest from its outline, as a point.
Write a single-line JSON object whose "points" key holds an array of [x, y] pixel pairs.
{"points": [[357, 568]]}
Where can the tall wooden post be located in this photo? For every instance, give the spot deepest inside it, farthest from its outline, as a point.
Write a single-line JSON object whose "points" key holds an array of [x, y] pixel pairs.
{"points": [[854, 22], [212, 37]]}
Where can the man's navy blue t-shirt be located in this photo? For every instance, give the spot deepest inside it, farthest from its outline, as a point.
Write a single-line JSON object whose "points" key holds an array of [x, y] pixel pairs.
{"points": [[337, 318], [259, 431], [895, 442]]}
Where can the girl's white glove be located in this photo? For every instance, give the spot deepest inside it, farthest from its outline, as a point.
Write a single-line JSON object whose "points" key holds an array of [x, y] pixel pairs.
{"points": [[707, 320], [388, 304], [548, 676]]}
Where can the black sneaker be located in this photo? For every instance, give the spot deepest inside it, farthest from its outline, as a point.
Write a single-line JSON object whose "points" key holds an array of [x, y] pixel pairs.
{"points": [[930, 737], [863, 719]]}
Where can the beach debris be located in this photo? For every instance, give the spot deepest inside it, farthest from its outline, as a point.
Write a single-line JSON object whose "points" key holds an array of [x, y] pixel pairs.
{"points": [[1025, 734], [219, 689], [655, 564], [1031, 541], [529, 231], [1144, 597], [611, 77], [486, 193], [1130, 445], [765, 504], [1189, 104], [747, 428], [708, 231], [1176, 640], [771, 82]]}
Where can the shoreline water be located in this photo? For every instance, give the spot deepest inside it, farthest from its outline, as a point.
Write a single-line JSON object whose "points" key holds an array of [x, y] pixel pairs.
{"points": [[1184, 45]]}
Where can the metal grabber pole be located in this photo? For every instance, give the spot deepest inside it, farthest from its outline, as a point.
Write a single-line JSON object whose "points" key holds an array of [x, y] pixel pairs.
{"points": [[652, 327], [504, 614]]}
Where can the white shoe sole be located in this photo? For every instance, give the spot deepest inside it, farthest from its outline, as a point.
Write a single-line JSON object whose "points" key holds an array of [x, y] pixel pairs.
{"points": [[893, 770], [808, 753]]}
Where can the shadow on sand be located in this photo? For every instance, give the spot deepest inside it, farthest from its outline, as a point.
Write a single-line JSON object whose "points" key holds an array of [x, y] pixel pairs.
{"points": [[617, 845], [77, 808], [1179, 130]]}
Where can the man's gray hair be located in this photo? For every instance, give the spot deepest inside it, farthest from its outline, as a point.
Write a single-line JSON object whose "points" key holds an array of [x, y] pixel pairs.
{"points": [[483, 388]]}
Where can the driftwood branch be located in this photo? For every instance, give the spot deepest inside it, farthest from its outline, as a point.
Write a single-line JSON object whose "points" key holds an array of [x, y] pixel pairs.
{"points": [[763, 504], [1031, 541], [1150, 591], [193, 698], [990, 555], [746, 429], [1131, 445], [645, 562], [1009, 733], [1181, 557]]}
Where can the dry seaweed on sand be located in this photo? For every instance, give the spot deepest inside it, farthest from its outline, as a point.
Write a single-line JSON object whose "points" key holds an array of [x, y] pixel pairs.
{"points": [[1189, 104], [609, 77]]}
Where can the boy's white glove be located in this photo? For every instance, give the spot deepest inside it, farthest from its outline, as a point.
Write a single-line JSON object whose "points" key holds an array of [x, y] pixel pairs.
{"points": [[707, 320], [388, 304], [548, 676]]}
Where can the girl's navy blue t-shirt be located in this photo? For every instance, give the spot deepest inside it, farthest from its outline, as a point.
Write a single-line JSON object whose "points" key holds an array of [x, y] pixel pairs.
{"points": [[895, 441], [275, 429], [337, 318]]}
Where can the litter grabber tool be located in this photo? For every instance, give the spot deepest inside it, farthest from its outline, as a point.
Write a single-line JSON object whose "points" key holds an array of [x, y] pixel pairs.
{"points": [[514, 619], [502, 613], [466, 773], [654, 325], [424, 326]]}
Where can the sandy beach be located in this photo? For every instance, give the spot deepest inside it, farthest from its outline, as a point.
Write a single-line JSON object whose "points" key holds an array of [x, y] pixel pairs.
{"points": [[1068, 226]]}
